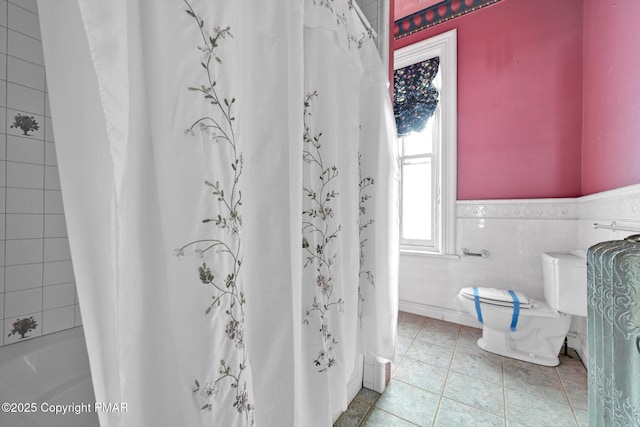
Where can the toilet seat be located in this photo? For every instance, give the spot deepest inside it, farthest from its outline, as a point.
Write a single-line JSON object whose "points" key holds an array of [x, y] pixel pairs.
{"points": [[495, 296]]}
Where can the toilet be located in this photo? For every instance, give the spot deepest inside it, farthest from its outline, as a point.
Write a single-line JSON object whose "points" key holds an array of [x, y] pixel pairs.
{"points": [[516, 326]]}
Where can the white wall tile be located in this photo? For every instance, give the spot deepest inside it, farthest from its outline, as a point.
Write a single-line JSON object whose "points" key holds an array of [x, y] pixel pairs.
{"points": [[515, 245], [52, 179], [3, 41], [58, 319], [22, 277], [25, 47], [22, 204], [15, 337], [25, 99], [3, 65], [58, 272], [58, 296], [370, 10], [25, 73], [56, 249], [24, 200], [15, 130], [25, 150], [24, 226], [3, 147], [23, 69], [20, 303], [31, 5], [53, 202], [50, 158], [3, 88], [48, 130], [27, 251], [47, 105], [3, 16], [24, 21], [55, 226], [3, 121], [24, 175], [77, 316]]}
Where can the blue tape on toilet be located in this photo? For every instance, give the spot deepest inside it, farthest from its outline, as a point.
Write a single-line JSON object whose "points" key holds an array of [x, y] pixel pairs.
{"points": [[476, 298], [516, 310]]}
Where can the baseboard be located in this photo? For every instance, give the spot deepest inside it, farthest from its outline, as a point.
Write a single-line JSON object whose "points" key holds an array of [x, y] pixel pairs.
{"points": [[442, 313], [580, 345]]}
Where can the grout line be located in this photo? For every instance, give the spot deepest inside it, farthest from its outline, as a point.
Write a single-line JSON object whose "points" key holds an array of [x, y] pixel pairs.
{"points": [[505, 389], [446, 379], [6, 119], [397, 416], [44, 178], [504, 392], [566, 395], [24, 85], [21, 33], [372, 406], [15, 3]]}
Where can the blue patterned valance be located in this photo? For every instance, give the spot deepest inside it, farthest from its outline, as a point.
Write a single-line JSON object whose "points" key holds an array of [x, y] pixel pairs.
{"points": [[415, 96]]}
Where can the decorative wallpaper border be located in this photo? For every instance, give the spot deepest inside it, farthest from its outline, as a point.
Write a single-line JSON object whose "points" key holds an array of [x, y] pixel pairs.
{"points": [[518, 209], [436, 14]]}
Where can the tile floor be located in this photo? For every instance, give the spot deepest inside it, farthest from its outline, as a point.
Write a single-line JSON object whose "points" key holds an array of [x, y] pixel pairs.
{"points": [[442, 378]]}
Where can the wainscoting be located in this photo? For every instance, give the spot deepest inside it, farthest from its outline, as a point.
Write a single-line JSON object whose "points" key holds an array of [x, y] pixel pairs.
{"points": [[516, 233]]}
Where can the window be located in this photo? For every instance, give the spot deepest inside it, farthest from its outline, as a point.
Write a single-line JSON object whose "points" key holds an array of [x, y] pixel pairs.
{"points": [[418, 207], [428, 157]]}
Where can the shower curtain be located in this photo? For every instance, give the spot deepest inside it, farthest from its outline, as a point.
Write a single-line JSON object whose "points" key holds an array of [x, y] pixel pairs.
{"points": [[613, 323], [227, 171]]}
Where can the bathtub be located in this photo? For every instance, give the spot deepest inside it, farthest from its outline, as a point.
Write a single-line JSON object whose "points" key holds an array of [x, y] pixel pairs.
{"points": [[44, 375]]}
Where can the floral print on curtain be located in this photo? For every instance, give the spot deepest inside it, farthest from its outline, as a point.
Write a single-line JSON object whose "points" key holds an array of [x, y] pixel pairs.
{"points": [[415, 96], [224, 277], [318, 235], [364, 221]]}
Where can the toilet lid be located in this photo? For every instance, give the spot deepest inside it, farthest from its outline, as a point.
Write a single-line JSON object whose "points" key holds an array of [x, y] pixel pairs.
{"points": [[497, 297]]}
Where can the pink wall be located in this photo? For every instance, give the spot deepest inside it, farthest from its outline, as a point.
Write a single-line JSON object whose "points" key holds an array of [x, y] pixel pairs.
{"points": [[611, 120], [519, 99]]}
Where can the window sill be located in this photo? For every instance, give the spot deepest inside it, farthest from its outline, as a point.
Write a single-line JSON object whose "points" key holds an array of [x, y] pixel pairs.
{"points": [[428, 254]]}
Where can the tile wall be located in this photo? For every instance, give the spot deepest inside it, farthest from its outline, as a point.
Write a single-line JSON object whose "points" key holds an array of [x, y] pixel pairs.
{"points": [[36, 275], [623, 207], [377, 12], [516, 233]]}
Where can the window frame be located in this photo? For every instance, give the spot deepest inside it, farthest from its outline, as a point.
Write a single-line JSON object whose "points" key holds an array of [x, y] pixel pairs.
{"points": [[432, 243], [444, 155]]}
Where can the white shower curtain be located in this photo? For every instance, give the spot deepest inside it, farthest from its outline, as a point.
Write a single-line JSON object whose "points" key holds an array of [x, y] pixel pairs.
{"points": [[227, 171]]}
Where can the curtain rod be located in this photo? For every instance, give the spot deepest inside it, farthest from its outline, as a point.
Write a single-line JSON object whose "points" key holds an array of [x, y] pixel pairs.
{"points": [[364, 19]]}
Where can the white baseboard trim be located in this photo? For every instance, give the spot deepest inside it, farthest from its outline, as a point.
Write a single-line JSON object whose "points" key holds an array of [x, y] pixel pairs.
{"points": [[442, 313], [580, 345]]}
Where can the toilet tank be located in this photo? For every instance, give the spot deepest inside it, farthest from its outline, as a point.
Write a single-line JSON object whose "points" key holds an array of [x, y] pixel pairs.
{"points": [[565, 281]]}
